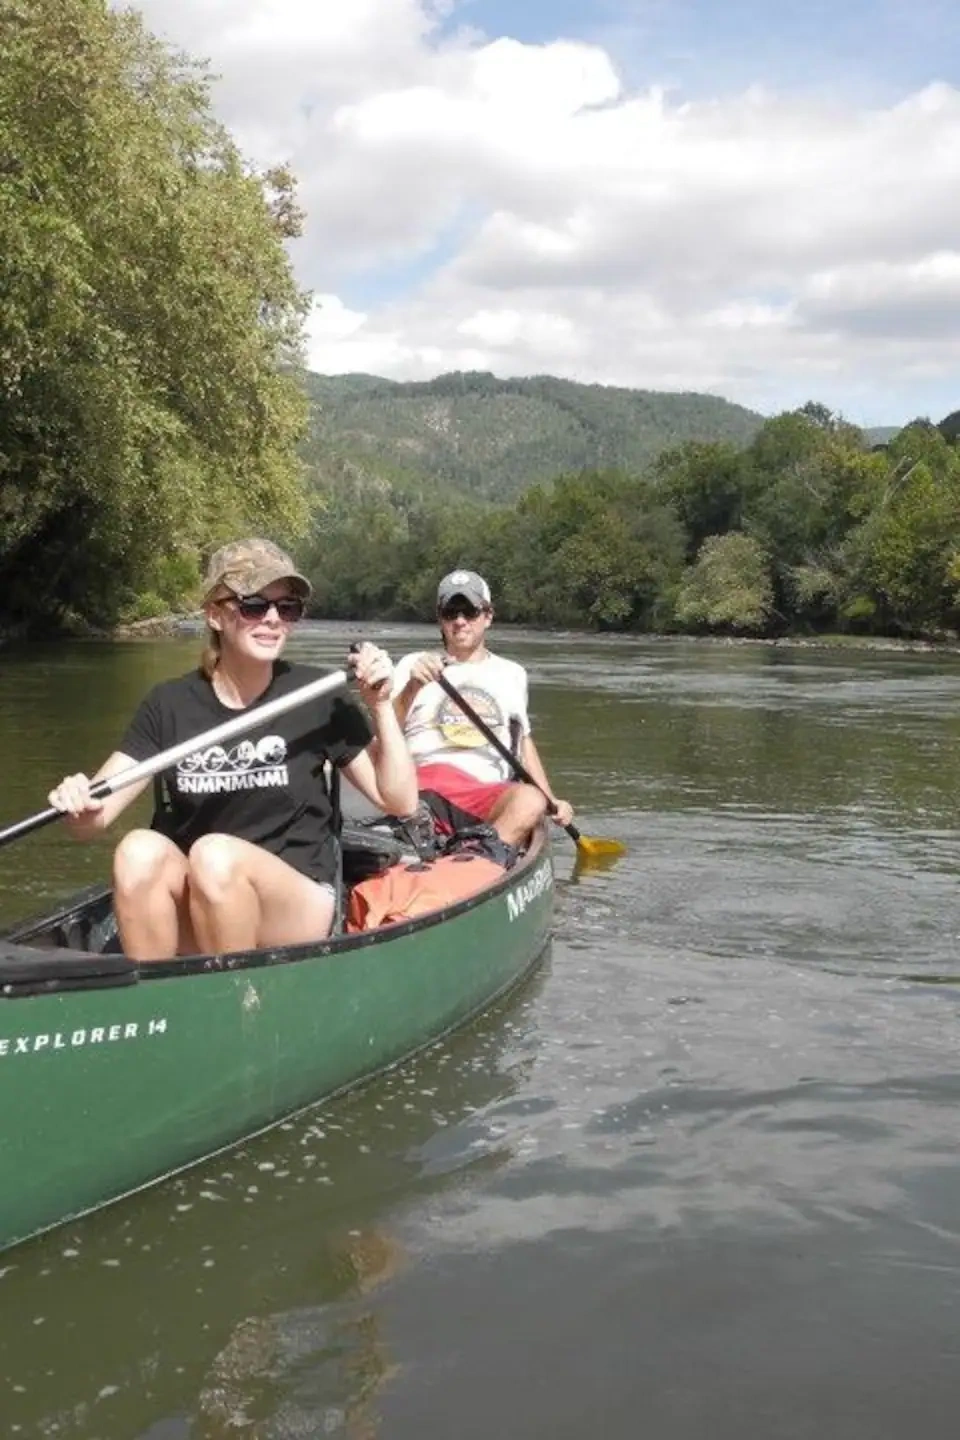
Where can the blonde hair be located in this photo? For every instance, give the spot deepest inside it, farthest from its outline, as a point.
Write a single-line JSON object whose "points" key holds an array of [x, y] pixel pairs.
{"points": [[210, 658]]}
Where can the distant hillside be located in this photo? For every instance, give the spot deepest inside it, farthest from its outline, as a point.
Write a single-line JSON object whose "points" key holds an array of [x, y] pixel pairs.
{"points": [[494, 437], [881, 434]]}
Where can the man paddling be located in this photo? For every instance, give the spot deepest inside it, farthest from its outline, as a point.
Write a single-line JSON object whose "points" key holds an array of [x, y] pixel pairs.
{"points": [[463, 779]]}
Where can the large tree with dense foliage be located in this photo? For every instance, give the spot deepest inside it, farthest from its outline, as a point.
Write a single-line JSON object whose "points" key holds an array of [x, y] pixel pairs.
{"points": [[729, 587], [904, 556], [148, 318]]}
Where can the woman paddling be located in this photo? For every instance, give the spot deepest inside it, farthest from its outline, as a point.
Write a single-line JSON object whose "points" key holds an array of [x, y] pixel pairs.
{"points": [[242, 854]]}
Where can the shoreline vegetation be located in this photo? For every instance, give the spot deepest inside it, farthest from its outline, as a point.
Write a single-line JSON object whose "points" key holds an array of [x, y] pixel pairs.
{"points": [[161, 406], [189, 624]]}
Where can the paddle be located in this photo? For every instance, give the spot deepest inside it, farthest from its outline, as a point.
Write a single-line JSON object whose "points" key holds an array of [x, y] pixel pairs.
{"points": [[588, 846], [146, 769]]}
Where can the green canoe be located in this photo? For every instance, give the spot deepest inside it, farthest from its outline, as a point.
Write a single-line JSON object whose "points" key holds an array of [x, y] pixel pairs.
{"points": [[114, 1075]]}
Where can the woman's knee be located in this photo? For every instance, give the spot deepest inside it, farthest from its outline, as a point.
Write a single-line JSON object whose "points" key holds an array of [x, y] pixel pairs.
{"points": [[214, 865], [140, 860]]}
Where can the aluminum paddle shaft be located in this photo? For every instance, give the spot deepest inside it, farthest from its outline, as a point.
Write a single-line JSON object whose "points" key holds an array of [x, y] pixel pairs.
{"points": [[244, 720]]}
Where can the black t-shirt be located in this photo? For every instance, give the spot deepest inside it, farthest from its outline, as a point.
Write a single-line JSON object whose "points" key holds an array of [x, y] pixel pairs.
{"points": [[267, 786]]}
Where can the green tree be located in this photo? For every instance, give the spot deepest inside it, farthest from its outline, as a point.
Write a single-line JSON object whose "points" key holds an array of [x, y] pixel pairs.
{"points": [[599, 548], [148, 319], [729, 587], [707, 483], [904, 555]]}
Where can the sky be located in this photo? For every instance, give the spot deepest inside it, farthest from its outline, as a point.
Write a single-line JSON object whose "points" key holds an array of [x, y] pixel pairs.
{"points": [[749, 198]]}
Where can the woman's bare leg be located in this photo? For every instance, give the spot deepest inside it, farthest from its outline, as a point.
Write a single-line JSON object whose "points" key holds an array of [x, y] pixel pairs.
{"points": [[150, 897], [243, 898]]}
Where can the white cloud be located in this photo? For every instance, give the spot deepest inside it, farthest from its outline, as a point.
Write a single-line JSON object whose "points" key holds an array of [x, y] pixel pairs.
{"points": [[764, 246]]}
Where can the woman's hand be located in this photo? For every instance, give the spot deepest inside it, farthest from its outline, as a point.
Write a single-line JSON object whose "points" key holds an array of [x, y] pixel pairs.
{"points": [[72, 797], [373, 671]]}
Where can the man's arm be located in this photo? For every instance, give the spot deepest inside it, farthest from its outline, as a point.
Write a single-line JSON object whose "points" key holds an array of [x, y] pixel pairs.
{"points": [[530, 756], [413, 673]]}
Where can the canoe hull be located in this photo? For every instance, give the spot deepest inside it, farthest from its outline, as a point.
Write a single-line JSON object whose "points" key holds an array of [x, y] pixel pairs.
{"points": [[110, 1088]]}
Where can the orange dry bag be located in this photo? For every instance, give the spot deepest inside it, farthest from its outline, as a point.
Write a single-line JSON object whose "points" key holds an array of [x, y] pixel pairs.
{"points": [[405, 891]]}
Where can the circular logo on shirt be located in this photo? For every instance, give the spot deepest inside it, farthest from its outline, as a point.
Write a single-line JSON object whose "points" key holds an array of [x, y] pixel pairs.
{"points": [[248, 755], [454, 726]]}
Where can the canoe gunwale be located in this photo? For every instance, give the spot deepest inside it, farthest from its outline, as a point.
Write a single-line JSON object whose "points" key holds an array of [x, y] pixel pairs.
{"points": [[27, 970]]}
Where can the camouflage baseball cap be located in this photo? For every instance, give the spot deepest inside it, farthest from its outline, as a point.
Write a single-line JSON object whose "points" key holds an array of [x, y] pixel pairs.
{"points": [[246, 566]]}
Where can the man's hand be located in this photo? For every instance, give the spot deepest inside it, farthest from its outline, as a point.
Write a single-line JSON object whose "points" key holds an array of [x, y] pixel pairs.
{"points": [[563, 815], [373, 671], [426, 667]]}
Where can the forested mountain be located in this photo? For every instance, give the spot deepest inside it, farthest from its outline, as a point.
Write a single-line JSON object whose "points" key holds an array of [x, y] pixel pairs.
{"points": [[805, 528], [493, 438]]}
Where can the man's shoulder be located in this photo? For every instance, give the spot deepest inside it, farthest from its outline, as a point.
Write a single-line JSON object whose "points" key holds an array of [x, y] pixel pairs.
{"points": [[512, 668]]}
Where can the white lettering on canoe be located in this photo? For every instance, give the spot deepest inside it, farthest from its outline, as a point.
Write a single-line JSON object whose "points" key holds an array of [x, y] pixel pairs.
{"points": [[519, 899], [77, 1039]]}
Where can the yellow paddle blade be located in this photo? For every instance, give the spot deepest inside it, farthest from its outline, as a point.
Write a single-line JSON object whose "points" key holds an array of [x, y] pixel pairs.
{"points": [[594, 852], [587, 862], [597, 845]]}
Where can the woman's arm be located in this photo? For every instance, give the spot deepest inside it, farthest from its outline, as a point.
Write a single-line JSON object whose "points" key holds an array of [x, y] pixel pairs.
{"points": [[84, 817], [384, 772]]}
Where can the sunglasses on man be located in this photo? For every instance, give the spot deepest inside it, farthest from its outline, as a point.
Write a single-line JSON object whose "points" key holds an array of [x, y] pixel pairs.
{"points": [[456, 608], [289, 608]]}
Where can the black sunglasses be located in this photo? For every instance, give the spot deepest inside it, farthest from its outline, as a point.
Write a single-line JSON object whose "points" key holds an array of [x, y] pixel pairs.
{"points": [[289, 608], [460, 607]]}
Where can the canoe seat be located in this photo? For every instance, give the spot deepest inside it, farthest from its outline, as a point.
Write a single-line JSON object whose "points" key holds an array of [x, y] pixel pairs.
{"points": [[84, 922]]}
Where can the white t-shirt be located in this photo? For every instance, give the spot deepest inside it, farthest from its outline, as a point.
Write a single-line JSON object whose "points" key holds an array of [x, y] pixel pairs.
{"points": [[438, 732]]}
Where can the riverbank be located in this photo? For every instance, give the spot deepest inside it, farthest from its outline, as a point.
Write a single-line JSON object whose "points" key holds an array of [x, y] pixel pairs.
{"points": [[172, 626], [947, 645], [158, 627]]}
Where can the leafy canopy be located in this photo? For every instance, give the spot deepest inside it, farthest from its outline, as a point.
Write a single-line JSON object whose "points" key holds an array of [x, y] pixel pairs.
{"points": [[147, 314]]}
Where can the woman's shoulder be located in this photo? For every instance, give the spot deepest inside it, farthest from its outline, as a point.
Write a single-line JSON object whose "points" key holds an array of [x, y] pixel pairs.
{"points": [[178, 688], [290, 675]]}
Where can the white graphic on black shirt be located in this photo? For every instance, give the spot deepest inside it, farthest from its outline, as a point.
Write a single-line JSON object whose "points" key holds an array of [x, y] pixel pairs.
{"points": [[248, 766]]}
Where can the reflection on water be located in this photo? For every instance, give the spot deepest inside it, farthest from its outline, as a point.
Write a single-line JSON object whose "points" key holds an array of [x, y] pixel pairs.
{"points": [[251, 1282], [285, 1368], [699, 1177]]}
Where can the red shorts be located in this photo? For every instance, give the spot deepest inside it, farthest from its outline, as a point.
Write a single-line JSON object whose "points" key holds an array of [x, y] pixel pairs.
{"points": [[456, 798]]}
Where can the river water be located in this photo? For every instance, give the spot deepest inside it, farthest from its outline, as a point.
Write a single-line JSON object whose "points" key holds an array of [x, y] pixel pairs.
{"points": [[699, 1177]]}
